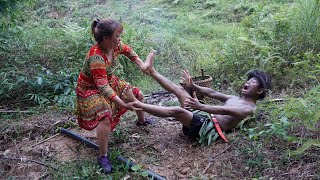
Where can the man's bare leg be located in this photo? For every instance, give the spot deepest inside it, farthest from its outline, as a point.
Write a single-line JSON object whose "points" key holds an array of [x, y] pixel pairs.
{"points": [[178, 90], [181, 114]]}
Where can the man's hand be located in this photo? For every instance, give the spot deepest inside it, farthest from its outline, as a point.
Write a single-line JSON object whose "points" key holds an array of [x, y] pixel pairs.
{"points": [[131, 100], [193, 103], [131, 106], [186, 78]]}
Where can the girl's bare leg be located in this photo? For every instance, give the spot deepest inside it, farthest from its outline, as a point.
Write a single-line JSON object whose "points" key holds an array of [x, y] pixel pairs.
{"points": [[103, 131]]}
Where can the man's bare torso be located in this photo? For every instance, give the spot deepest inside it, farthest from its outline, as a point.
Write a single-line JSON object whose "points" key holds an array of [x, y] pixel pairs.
{"points": [[228, 122]]}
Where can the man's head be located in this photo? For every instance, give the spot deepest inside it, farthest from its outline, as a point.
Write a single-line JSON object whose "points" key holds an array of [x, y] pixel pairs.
{"points": [[258, 83]]}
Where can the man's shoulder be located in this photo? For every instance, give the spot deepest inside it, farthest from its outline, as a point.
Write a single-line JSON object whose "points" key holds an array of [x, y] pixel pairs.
{"points": [[234, 98]]}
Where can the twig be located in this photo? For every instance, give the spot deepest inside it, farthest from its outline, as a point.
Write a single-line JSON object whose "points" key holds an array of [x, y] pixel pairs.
{"points": [[28, 148], [48, 129], [205, 169], [15, 146], [10, 111], [219, 153], [276, 100], [29, 160], [161, 92]]}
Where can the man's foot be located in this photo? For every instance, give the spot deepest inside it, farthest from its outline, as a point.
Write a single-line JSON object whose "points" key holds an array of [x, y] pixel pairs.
{"points": [[105, 164], [149, 62]]}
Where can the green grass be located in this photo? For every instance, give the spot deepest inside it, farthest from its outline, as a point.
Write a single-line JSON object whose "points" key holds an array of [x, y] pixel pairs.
{"points": [[42, 53], [89, 169]]}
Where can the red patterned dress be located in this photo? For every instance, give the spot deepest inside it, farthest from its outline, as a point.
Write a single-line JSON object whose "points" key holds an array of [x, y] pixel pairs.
{"points": [[97, 87]]}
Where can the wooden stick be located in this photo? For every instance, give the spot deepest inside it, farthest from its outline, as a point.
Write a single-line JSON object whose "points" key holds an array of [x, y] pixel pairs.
{"points": [[276, 100], [10, 111], [28, 148], [220, 152], [202, 74], [29, 160], [205, 169], [50, 127]]}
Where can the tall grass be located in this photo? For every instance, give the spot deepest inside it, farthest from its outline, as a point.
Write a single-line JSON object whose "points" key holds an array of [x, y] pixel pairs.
{"points": [[224, 39], [306, 26]]}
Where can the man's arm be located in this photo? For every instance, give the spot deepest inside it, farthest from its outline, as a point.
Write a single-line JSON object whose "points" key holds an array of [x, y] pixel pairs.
{"points": [[237, 111], [187, 79], [211, 93]]}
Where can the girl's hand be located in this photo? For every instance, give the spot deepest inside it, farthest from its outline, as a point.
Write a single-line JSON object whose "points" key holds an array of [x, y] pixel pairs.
{"points": [[186, 78]]}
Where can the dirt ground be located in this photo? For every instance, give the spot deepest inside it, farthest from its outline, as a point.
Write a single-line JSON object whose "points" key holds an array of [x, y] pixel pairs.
{"points": [[160, 147]]}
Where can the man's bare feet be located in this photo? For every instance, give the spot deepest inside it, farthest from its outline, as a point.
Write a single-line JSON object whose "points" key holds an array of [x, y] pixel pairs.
{"points": [[149, 62]]}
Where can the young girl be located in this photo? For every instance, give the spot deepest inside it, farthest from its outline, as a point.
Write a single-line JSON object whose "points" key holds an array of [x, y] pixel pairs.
{"points": [[100, 101]]}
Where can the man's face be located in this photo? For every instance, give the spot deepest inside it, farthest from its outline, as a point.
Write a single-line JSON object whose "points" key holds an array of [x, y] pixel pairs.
{"points": [[251, 87]]}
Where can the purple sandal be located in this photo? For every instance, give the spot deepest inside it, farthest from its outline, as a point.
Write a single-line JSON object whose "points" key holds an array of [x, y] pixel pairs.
{"points": [[105, 164]]}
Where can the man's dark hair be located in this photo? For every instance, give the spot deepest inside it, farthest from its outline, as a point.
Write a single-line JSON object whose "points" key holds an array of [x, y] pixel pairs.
{"points": [[264, 81]]}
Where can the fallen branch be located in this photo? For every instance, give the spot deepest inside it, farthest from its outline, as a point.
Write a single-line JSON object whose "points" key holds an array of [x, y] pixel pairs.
{"points": [[10, 111], [48, 129], [28, 148], [276, 100], [25, 160], [213, 157], [205, 169], [157, 93]]}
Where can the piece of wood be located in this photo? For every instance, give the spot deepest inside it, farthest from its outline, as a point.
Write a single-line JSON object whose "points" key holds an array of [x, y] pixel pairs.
{"points": [[48, 129], [28, 148], [205, 169], [10, 111], [202, 74], [213, 157], [29, 160]]}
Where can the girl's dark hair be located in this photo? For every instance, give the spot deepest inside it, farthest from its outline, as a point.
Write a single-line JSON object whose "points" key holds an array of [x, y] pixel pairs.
{"points": [[264, 81], [104, 28]]}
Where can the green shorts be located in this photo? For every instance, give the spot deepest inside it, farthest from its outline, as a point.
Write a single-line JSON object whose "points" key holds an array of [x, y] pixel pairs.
{"points": [[201, 127]]}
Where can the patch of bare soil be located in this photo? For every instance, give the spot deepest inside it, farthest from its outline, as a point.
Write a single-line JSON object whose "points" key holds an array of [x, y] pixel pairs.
{"points": [[160, 147]]}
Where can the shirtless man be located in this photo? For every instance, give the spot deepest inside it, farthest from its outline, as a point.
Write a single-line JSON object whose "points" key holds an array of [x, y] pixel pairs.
{"points": [[207, 121]]}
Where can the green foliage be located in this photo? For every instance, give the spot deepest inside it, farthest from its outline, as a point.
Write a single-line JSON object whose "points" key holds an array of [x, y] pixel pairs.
{"points": [[138, 169], [83, 169], [294, 113], [274, 43], [306, 109], [43, 45], [306, 27], [254, 157], [305, 146], [88, 169], [9, 9], [300, 111], [58, 44]]}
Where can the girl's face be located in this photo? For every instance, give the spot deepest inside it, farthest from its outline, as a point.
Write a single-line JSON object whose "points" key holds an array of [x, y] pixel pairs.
{"points": [[116, 39]]}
